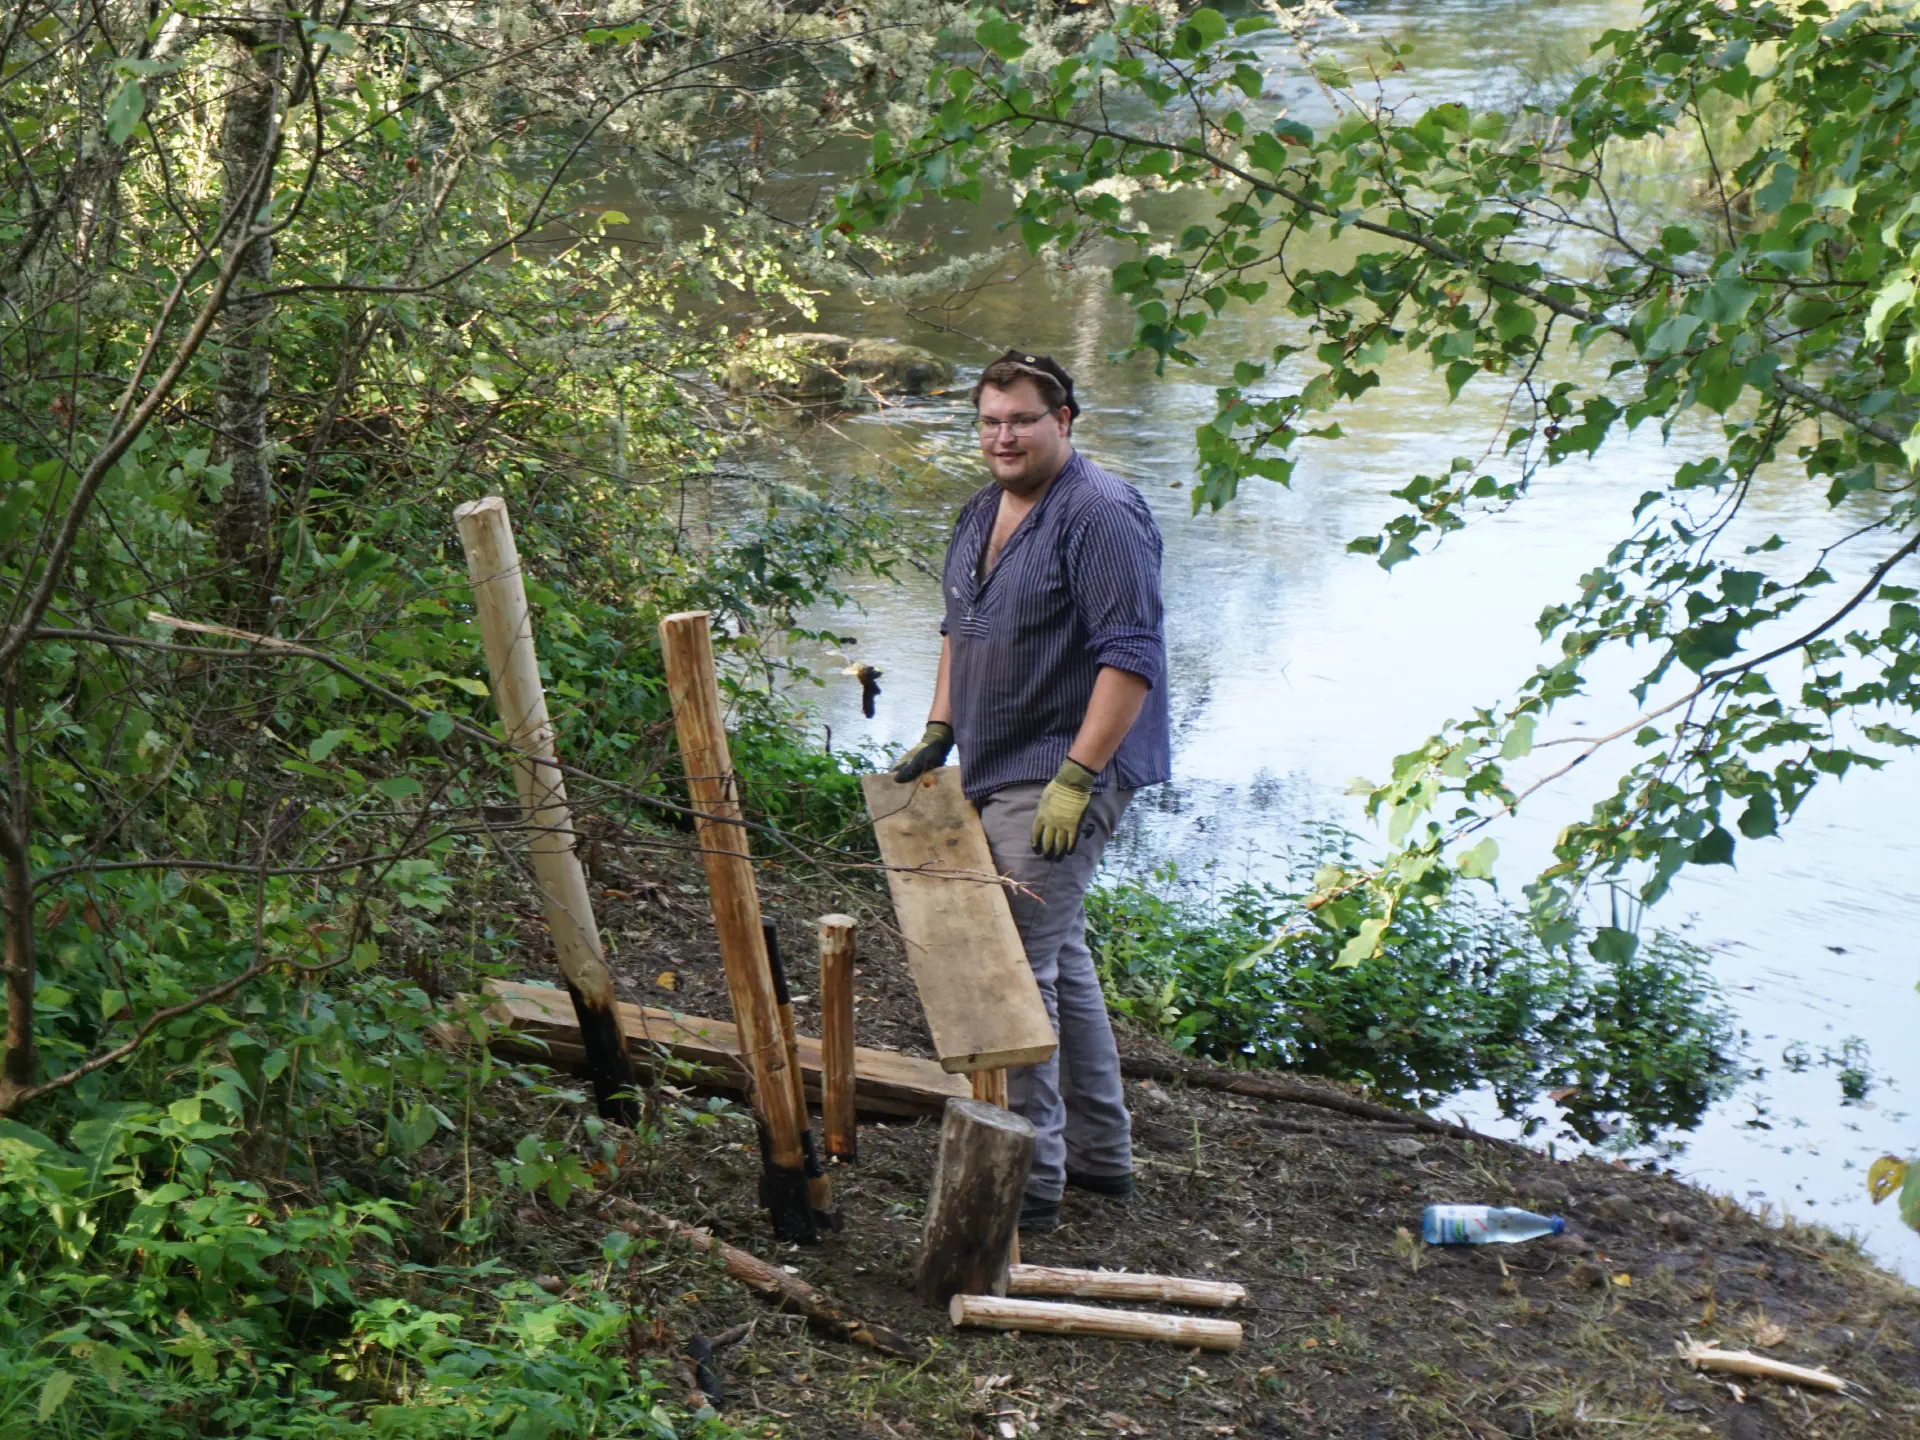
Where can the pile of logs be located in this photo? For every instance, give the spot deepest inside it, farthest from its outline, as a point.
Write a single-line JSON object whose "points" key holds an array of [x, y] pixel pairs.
{"points": [[968, 1257]]}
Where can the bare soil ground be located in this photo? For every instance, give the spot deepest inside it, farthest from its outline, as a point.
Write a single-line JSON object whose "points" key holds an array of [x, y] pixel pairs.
{"points": [[1351, 1330]]}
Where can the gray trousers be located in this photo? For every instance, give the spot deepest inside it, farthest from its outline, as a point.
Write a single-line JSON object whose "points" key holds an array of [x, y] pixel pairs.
{"points": [[1074, 1100]]}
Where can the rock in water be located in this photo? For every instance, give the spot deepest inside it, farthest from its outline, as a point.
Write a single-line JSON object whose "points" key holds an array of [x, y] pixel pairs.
{"points": [[898, 369], [836, 370]]}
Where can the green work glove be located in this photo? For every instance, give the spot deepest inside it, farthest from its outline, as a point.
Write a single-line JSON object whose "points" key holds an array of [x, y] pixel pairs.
{"points": [[1063, 804], [929, 754]]}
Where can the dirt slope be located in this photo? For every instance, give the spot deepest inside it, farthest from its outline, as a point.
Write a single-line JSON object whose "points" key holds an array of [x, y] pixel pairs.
{"points": [[1351, 1329]]}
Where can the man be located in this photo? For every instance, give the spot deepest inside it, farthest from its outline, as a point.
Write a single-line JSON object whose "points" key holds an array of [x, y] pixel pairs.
{"points": [[1053, 682]]}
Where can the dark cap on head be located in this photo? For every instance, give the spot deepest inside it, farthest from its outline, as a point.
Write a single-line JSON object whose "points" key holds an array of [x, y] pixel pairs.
{"points": [[1014, 363]]}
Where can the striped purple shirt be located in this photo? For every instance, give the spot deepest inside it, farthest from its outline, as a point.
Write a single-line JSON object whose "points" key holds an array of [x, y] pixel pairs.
{"points": [[1077, 587]]}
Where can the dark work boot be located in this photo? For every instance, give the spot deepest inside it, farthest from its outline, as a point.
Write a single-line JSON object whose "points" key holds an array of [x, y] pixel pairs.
{"points": [[1114, 1187], [1037, 1214]]}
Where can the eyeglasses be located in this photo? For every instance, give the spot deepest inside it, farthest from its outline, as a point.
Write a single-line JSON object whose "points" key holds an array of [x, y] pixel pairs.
{"points": [[1019, 426]]}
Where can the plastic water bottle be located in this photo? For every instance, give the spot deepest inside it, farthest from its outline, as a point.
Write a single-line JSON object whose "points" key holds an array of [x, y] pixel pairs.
{"points": [[1486, 1225]]}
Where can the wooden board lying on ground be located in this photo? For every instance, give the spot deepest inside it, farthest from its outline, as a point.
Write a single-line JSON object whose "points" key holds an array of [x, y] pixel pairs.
{"points": [[983, 1008], [885, 1082]]}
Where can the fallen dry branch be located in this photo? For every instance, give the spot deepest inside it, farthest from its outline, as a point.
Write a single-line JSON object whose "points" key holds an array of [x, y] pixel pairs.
{"points": [[1294, 1092], [1704, 1356], [757, 1274], [1046, 1317]]}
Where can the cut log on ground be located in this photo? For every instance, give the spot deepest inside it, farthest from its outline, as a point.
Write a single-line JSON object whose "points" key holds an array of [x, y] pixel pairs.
{"points": [[1758, 1367], [1123, 1285], [750, 1270], [506, 629], [974, 1210], [995, 1312], [836, 1038], [982, 1003], [542, 1026], [698, 721]]}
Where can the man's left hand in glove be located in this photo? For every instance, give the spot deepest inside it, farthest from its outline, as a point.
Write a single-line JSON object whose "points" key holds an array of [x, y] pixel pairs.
{"points": [[1063, 804]]}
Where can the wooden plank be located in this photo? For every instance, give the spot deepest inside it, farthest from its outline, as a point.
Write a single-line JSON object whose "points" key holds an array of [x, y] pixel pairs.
{"points": [[983, 1007], [886, 1082]]}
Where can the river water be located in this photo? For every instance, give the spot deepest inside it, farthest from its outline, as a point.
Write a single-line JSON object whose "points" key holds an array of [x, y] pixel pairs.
{"points": [[1295, 666]]}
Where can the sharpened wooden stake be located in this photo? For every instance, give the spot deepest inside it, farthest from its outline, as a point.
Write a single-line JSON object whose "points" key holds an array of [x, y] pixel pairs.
{"points": [[506, 629], [991, 1086], [819, 1187], [836, 1038], [974, 1210], [688, 650], [994, 1312], [1122, 1285]]}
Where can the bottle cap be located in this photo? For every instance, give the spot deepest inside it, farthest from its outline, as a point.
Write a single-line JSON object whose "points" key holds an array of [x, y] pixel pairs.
{"points": [[1559, 1226]]}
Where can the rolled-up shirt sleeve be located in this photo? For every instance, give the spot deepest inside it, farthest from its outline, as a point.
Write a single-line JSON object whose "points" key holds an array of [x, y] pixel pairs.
{"points": [[1113, 573]]}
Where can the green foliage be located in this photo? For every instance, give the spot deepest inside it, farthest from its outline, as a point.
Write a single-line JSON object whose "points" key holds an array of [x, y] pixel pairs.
{"points": [[265, 854], [1455, 994]]}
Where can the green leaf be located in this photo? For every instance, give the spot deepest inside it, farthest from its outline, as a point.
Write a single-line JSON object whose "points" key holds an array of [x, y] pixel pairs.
{"points": [[1678, 240], [439, 726], [326, 744], [53, 1392], [413, 1128], [1363, 946], [129, 103], [112, 1002], [398, 787], [1477, 863], [1774, 195], [1715, 848], [1206, 26], [1910, 1198], [1511, 321], [1000, 36], [1519, 741], [1888, 305]]}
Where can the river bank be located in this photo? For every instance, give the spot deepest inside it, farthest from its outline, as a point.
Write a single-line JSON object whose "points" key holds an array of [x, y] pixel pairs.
{"points": [[1351, 1329]]}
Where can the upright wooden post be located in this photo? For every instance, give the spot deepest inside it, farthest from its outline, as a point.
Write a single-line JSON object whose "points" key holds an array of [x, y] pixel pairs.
{"points": [[506, 628], [836, 1038], [688, 651], [990, 1086], [819, 1187], [974, 1210]]}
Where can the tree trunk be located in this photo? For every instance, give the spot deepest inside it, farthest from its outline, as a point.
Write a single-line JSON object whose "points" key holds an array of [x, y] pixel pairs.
{"points": [[244, 334], [20, 1066]]}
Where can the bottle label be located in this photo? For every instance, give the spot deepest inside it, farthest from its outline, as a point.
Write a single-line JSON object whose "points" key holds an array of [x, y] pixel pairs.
{"points": [[1460, 1224]]}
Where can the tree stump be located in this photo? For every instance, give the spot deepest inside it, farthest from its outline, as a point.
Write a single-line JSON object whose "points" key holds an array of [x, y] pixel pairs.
{"points": [[974, 1210]]}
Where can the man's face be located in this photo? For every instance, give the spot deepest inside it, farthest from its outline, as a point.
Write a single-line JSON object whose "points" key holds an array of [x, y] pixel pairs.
{"points": [[1024, 444]]}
